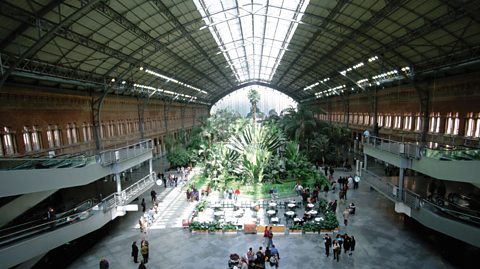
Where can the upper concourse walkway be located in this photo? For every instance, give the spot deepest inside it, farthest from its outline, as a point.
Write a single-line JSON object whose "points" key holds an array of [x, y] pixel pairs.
{"points": [[384, 239]]}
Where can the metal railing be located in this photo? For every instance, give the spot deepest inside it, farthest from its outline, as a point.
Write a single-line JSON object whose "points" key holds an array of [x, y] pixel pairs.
{"points": [[388, 189], [82, 212], [74, 161], [125, 153], [132, 191], [24, 230], [414, 200], [409, 150]]}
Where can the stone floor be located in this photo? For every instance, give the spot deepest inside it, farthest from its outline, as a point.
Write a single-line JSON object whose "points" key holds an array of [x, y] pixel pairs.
{"points": [[384, 240]]}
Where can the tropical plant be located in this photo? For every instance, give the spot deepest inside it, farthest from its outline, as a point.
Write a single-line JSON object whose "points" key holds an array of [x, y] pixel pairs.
{"points": [[178, 157], [252, 150], [254, 97], [299, 124]]}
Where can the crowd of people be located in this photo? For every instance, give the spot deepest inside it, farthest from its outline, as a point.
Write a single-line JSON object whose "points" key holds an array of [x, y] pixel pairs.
{"points": [[341, 240]]}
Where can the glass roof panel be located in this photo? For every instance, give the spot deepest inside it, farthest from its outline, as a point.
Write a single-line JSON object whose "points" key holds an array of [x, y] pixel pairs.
{"points": [[252, 36]]}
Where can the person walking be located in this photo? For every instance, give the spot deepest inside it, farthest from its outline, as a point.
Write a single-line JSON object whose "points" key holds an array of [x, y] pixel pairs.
{"points": [[143, 204], [274, 257], [270, 237], [142, 265], [153, 194], [336, 250], [327, 240], [104, 264], [265, 236], [352, 244], [144, 250], [135, 252], [346, 213]]}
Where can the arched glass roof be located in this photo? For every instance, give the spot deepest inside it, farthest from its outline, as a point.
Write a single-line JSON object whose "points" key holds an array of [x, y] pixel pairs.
{"points": [[237, 101], [198, 51]]}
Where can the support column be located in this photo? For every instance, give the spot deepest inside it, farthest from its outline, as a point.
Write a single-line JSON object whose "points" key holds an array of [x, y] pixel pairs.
{"points": [[118, 182], [166, 114], [97, 104], [400, 182], [424, 97], [141, 119], [150, 164]]}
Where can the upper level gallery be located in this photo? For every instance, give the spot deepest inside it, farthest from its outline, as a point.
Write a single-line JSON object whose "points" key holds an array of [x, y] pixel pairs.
{"points": [[460, 164], [27, 175]]}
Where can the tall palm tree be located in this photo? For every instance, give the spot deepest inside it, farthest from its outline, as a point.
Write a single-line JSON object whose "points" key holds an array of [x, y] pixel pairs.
{"points": [[299, 122], [253, 97]]}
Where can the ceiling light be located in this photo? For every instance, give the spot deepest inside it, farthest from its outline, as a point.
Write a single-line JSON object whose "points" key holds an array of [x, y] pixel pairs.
{"points": [[113, 80]]}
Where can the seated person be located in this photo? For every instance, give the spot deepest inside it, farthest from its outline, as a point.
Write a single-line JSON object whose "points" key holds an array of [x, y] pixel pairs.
{"points": [[351, 208]]}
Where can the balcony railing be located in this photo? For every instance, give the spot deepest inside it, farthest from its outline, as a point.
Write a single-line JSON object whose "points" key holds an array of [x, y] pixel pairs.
{"points": [[82, 212], [415, 201], [409, 150], [126, 152]]}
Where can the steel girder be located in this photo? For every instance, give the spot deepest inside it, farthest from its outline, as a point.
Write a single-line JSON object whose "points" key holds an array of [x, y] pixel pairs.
{"points": [[87, 5], [164, 9], [24, 26], [392, 5], [149, 41]]}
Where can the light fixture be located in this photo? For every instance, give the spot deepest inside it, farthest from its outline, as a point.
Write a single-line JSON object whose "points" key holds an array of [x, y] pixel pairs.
{"points": [[113, 80], [141, 68], [168, 79], [123, 82]]}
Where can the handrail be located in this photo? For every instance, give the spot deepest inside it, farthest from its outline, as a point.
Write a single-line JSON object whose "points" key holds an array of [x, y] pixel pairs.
{"points": [[127, 152], [112, 201], [409, 150], [414, 200], [415, 150]]}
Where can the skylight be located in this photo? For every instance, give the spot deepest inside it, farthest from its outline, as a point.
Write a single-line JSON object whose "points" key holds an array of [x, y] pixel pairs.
{"points": [[251, 35]]}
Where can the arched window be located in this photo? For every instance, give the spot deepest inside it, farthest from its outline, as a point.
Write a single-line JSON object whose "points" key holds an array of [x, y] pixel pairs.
{"points": [[27, 141], [8, 141], [53, 136]]}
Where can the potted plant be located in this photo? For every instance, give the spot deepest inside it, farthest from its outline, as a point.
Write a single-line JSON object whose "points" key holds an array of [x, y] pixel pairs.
{"points": [[198, 227], [214, 227], [311, 227], [330, 223], [295, 229], [201, 206], [229, 228]]}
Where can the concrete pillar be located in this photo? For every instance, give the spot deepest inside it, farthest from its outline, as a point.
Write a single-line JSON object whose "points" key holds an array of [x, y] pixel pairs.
{"points": [[119, 183], [150, 164], [400, 183]]}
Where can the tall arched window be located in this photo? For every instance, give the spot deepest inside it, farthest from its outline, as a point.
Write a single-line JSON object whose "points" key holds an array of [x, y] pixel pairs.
{"points": [[8, 141]]}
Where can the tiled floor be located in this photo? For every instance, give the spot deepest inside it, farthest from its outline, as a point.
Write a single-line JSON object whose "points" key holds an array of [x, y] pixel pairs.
{"points": [[384, 240]]}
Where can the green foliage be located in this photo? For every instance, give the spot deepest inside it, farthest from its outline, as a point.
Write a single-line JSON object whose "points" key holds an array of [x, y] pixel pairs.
{"points": [[330, 221], [201, 206], [296, 227], [178, 157], [251, 150], [229, 226]]}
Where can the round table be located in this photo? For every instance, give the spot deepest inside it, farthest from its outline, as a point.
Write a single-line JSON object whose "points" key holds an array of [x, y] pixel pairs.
{"points": [[216, 206], [292, 205], [318, 219], [272, 204], [310, 205], [290, 214], [218, 213], [238, 213], [312, 212], [271, 212], [297, 220], [275, 220]]}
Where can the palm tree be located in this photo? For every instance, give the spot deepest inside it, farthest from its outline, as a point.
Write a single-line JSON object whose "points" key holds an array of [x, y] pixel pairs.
{"points": [[254, 97], [299, 122]]}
